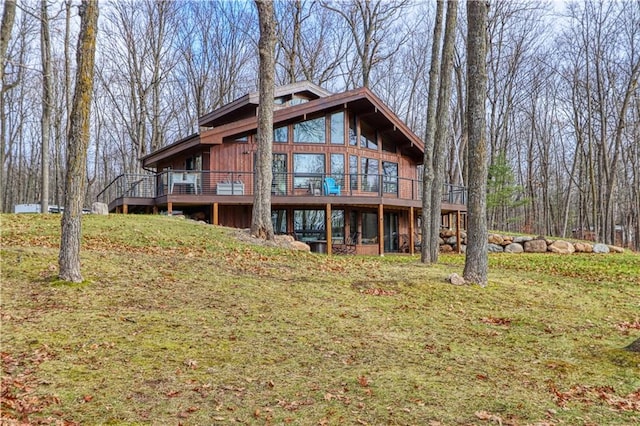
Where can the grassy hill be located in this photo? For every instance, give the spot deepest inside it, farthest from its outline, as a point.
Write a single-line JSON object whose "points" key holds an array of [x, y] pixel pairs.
{"points": [[180, 323]]}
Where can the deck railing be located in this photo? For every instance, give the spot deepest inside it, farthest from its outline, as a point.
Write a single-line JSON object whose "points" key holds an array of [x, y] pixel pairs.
{"points": [[232, 183]]}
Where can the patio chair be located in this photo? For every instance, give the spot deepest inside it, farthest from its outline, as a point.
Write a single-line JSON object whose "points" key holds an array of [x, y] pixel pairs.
{"points": [[331, 187]]}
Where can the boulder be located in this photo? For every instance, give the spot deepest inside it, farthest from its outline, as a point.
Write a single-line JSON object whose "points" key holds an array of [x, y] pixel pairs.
{"points": [[522, 239], [615, 249], [440, 241], [583, 247], [561, 247], [99, 208], [601, 248], [495, 248], [299, 245], [495, 239], [514, 248], [535, 246], [456, 279], [451, 240], [508, 239], [446, 233], [446, 248], [285, 238]]}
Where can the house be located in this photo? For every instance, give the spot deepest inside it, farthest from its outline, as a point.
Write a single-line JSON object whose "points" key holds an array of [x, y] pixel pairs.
{"points": [[346, 169]]}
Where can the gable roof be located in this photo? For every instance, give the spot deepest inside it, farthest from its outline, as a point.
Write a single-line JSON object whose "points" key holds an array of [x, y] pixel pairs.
{"points": [[362, 101], [248, 104]]}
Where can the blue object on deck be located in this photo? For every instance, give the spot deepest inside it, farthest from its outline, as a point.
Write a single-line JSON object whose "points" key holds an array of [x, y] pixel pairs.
{"points": [[331, 187]]}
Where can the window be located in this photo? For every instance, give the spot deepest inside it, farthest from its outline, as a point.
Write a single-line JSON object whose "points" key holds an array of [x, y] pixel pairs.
{"points": [[308, 225], [279, 220], [337, 168], [368, 137], [337, 128], [193, 163], [353, 131], [353, 172], [281, 134], [370, 171], [308, 170], [369, 228], [279, 168], [337, 226], [390, 181], [310, 131]]}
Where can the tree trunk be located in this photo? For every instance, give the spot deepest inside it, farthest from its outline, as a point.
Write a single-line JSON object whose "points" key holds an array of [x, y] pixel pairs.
{"points": [[78, 142], [442, 125], [477, 263], [427, 177], [47, 102], [8, 16], [261, 225]]}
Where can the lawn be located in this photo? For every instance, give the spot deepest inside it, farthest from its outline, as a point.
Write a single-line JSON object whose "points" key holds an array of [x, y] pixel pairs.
{"points": [[179, 323]]}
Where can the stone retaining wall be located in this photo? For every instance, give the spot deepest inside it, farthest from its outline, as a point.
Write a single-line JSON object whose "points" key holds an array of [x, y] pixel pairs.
{"points": [[524, 244]]}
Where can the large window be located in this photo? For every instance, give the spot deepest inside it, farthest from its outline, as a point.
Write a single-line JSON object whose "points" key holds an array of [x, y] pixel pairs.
{"points": [[337, 168], [353, 172], [370, 171], [390, 181], [279, 168], [308, 170], [369, 228], [353, 130], [337, 128], [310, 131], [309, 225], [337, 226], [279, 220], [281, 135], [368, 138]]}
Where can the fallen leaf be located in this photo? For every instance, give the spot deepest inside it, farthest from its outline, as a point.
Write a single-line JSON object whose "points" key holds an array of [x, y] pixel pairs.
{"points": [[364, 382]]}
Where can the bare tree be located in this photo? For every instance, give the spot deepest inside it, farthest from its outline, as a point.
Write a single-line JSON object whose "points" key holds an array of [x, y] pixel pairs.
{"points": [[476, 264], [47, 101], [311, 45], [8, 16], [78, 142], [442, 126], [371, 25], [428, 174], [261, 225]]}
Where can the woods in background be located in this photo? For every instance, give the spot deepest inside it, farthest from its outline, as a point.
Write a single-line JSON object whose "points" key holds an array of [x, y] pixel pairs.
{"points": [[562, 111]]}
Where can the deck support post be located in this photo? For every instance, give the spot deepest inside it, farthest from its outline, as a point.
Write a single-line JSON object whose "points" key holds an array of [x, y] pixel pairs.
{"points": [[125, 209], [214, 214], [381, 229], [459, 244], [169, 208], [328, 228], [411, 230], [155, 209]]}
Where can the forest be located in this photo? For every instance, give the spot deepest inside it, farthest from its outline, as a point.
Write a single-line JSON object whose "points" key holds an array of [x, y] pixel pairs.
{"points": [[563, 103]]}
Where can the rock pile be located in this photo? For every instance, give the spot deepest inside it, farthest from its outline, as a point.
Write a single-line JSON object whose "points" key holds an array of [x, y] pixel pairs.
{"points": [[524, 244]]}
